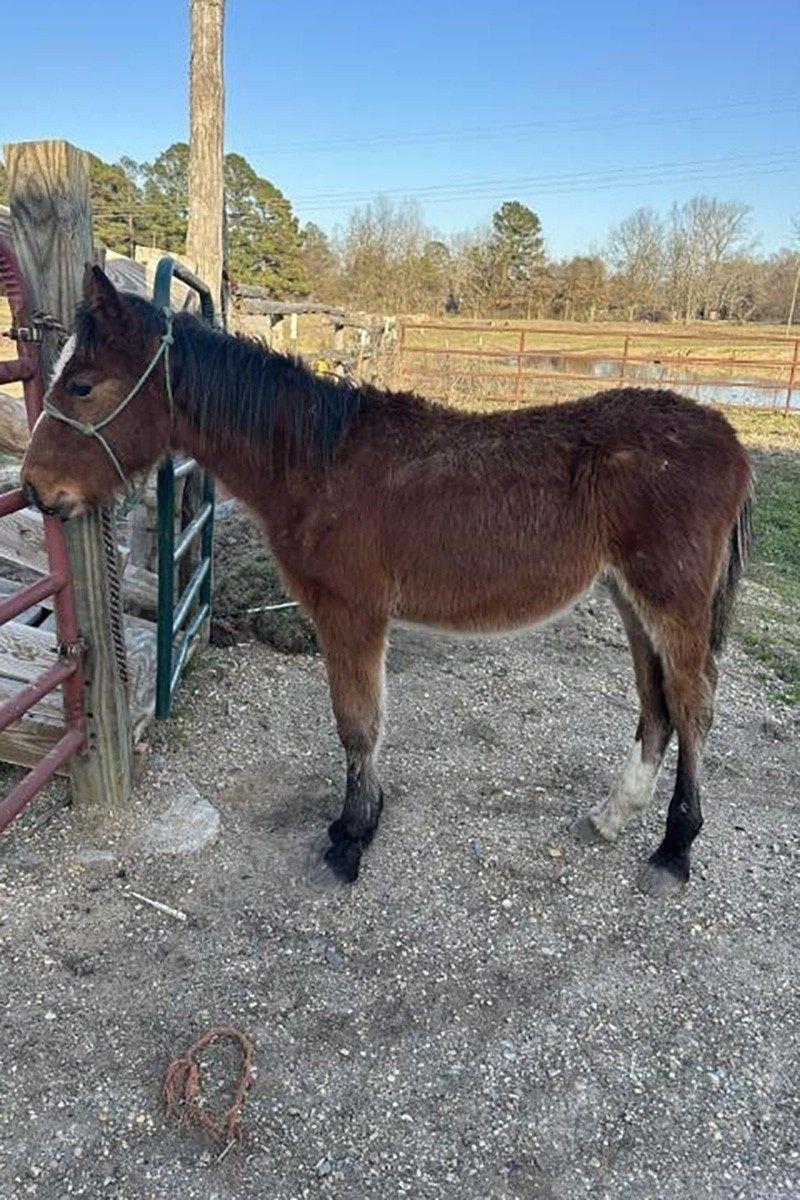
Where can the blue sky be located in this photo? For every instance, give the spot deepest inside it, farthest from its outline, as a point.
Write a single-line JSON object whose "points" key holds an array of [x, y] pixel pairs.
{"points": [[584, 111]]}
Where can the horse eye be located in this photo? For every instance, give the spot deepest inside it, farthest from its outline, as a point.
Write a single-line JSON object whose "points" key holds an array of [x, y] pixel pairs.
{"points": [[79, 389]]}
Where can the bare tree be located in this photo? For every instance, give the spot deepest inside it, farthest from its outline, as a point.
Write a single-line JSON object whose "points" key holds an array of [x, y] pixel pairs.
{"points": [[580, 286], [387, 263], [635, 250], [703, 236]]}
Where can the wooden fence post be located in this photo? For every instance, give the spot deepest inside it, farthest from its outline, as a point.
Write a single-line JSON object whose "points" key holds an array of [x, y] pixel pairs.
{"points": [[520, 355], [205, 248], [51, 222]]}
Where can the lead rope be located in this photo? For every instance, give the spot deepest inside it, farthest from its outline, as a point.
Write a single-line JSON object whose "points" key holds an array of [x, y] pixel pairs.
{"points": [[182, 1085], [108, 527]]}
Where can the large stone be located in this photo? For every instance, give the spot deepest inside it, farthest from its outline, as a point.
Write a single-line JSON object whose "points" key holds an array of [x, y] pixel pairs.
{"points": [[189, 825]]}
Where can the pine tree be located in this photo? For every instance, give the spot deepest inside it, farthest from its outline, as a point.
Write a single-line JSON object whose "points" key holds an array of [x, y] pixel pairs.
{"points": [[115, 205], [517, 252], [263, 233], [164, 199]]}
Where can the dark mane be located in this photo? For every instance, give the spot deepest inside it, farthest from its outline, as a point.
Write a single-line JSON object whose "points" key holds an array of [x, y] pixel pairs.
{"points": [[227, 383], [237, 385]]}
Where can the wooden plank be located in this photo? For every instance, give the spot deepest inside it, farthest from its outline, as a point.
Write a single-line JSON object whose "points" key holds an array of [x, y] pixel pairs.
{"points": [[22, 540], [24, 654], [126, 274], [140, 589], [141, 641], [13, 424], [256, 306], [9, 470], [32, 615], [244, 292], [27, 741], [52, 226]]}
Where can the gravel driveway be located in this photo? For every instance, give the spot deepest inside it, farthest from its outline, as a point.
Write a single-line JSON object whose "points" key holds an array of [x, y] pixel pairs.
{"points": [[492, 1012]]}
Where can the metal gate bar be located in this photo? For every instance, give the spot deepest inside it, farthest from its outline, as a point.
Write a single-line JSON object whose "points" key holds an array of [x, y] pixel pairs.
{"points": [[172, 612], [67, 673]]}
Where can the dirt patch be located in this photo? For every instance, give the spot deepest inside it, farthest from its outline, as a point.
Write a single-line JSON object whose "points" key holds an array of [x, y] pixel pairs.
{"points": [[249, 597], [492, 1012]]}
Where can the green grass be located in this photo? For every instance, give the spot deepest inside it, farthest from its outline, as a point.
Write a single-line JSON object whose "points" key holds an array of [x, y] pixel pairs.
{"points": [[778, 514], [768, 622], [764, 429]]}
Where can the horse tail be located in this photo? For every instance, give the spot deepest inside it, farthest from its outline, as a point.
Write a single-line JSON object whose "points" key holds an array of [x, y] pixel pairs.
{"points": [[739, 544]]}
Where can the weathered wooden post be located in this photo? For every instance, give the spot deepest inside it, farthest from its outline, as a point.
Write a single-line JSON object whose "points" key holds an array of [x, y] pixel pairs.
{"points": [[205, 233], [51, 222]]}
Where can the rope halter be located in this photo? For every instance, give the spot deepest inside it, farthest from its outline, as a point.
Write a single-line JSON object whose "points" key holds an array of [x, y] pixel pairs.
{"points": [[94, 431]]}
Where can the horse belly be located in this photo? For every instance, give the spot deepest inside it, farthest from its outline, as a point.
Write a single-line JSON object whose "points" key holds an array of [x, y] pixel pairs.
{"points": [[491, 592]]}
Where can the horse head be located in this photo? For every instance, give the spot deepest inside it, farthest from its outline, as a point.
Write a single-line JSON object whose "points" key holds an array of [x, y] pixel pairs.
{"points": [[107, 412]]}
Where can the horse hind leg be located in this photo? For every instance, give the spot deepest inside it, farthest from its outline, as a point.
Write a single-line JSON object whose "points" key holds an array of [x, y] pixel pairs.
{"points": [[690, 676], [354, 648], [636, 785]]}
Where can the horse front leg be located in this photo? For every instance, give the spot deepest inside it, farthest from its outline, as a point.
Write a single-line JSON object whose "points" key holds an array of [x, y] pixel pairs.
{"points": [[355, 647]]}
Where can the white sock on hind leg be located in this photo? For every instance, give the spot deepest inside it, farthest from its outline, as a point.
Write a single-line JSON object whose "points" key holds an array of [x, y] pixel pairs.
{"points": [[633, 793]]}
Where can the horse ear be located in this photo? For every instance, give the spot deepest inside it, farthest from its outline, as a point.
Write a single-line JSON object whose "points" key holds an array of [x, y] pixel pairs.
{"points": [[101, 297]]}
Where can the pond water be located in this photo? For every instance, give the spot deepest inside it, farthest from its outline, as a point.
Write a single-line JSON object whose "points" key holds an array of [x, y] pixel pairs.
{"points": [[746, 391]]}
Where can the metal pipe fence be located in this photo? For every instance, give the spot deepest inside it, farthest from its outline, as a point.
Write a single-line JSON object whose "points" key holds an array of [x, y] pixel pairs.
{"points": [[67, 672], [173, 612], [617, 349]]}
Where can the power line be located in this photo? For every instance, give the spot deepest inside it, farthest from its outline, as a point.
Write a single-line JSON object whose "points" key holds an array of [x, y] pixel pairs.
{"points": [[622, 185], [465, 186], [588, 122], [690, 170]]}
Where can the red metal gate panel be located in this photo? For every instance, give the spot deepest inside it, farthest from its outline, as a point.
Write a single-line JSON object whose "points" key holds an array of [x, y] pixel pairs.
{"points": [[67, 672]]}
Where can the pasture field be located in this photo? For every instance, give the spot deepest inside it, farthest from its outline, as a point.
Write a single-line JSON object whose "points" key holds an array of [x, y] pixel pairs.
{"points": [[607, 339]]}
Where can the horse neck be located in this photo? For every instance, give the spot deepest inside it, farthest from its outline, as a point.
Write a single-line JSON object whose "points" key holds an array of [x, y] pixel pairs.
{"points": [[240, 470], [259, 469]]}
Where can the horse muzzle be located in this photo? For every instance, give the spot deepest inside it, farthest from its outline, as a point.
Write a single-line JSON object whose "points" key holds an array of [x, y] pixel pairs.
{"points": [[61, 505]]}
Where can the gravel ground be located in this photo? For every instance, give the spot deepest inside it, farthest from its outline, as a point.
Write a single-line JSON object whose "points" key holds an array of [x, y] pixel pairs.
{"points": [[493, 1010]]}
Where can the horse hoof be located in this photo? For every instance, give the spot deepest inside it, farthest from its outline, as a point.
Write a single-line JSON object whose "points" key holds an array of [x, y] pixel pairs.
{"points": [[320, 874], [344, 858], [585, 831], [658, 881]]}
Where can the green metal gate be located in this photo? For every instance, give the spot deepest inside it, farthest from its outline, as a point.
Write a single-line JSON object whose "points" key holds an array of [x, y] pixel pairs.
{"points": [[181, 617]]}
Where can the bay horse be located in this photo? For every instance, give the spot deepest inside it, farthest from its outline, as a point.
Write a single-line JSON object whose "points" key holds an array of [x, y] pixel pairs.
{"points": [[383, 506]]}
